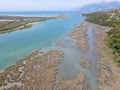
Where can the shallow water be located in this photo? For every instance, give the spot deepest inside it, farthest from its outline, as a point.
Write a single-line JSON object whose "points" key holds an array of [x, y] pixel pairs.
{"points": [[71, 63], [17, 44]]}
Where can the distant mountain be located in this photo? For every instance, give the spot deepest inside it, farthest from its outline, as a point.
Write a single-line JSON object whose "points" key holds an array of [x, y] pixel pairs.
{"points": [[104, 6]]}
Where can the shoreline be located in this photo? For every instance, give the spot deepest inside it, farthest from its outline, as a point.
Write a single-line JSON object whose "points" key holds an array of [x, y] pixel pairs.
{"points": [[108, 69]]}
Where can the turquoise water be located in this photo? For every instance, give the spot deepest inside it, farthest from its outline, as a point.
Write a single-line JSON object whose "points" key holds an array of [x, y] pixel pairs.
{"points": [[15, 45]]}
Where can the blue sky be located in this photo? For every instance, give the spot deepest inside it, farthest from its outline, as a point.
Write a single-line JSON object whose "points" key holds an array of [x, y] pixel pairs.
{"points": [[44, 5]]}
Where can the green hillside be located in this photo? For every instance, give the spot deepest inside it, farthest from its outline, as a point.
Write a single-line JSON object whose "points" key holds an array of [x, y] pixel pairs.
{"points": [[111, 19]]}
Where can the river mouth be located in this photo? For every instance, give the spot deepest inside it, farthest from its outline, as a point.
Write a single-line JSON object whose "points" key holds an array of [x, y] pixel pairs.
{"points": [[72, 58]]}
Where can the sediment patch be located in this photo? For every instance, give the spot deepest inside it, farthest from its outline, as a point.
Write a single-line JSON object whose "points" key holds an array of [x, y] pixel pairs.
{"points": [[109, 72], [79, 34], [37, 71]]}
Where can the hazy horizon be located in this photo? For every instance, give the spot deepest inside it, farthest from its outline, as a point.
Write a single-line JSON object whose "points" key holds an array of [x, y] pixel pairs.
{"points": [[46, 5]]}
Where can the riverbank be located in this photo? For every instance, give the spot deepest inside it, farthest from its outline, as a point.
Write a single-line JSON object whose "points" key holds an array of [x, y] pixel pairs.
{"points": [[109, 72]]}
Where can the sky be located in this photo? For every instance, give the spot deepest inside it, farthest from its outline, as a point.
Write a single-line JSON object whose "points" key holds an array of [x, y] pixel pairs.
{"points": [[45, 5]]}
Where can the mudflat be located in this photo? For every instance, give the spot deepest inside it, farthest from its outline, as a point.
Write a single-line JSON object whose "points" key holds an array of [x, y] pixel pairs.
{"points": [[37, 71], [79, 34]]}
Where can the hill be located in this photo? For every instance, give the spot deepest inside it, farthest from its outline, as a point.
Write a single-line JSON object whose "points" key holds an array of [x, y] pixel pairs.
{"points": [[104, 6]]}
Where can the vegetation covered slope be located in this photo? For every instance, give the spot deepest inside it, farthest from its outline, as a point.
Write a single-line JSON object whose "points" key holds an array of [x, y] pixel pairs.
{"points": [[111, 19]]}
